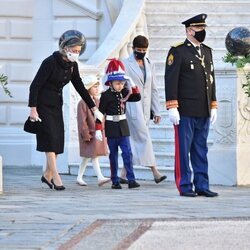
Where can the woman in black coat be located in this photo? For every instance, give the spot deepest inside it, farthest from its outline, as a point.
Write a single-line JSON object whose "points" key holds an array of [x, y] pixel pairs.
{"points": [[46, 100]]}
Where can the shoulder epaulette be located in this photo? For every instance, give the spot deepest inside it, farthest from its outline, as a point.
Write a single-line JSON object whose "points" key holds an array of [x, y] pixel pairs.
{"points": [[207, 46], [177, 44]]}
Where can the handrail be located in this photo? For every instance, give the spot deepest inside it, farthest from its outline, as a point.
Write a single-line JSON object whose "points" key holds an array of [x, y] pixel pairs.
{"points": [[131, 15], [89, 12]]}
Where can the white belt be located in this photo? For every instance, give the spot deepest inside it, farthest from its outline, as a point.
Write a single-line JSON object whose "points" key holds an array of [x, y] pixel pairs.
{"points": [[115, 118]]}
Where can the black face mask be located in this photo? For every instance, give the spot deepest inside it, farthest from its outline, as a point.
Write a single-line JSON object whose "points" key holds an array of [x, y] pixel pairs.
{"points": [[200, 35], [139, 55]]}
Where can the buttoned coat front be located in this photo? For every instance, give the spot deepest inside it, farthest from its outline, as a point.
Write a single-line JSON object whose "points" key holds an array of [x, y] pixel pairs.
{"points": [[89, 146], [139, 113], [111, 104], [189, 80], [46, 95]]}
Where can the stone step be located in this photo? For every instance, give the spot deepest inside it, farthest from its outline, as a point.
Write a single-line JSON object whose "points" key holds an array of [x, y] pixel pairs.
{"points": [[160, 131], [163, 145], [163, 149], [199, 6], [166, 41], [140, 172], [173, 18], [160, 83], [164, 158], [167, 145], [178, 29], [161, 53], [161, 86]]}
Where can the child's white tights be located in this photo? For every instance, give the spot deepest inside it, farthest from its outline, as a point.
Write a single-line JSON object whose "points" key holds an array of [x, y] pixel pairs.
{"points": [[97, 169]]}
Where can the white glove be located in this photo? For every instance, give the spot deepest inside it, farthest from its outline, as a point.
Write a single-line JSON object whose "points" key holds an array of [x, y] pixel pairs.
{"points": [[98, 135], [213, 116], [98, 115], [130, 82], [174, 116]]}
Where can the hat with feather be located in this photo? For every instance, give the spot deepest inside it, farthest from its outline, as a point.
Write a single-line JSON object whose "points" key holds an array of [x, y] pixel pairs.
{"points": [[115, 71]]}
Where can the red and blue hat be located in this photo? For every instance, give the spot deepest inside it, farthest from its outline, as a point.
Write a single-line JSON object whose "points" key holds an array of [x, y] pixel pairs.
{"points": [[115, 71]]}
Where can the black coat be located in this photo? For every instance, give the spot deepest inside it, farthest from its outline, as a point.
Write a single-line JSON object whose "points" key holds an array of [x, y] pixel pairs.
{"points": [[46, 94], [189, 82], [110, 104]]}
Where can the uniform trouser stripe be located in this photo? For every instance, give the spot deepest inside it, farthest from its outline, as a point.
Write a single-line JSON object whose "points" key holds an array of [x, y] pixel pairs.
{"points": [[177, 168]]}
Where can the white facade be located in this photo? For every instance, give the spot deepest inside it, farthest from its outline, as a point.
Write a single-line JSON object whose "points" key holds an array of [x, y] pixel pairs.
{"points": [[29, 32]]}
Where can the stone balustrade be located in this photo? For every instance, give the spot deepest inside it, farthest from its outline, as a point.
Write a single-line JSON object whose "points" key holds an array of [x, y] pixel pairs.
{"points": [[118, 43]]}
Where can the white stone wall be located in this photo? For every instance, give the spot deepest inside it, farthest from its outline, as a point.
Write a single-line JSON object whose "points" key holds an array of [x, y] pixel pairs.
{"points": [[29, 32], [16, 57]]}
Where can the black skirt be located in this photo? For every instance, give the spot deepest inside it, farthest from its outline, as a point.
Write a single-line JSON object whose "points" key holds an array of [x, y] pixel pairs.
{"points": [[51, 136]]}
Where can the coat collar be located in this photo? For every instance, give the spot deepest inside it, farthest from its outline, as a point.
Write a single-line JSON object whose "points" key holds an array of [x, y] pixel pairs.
{"points": [[136, 68], [191, 47], [62, 63]]}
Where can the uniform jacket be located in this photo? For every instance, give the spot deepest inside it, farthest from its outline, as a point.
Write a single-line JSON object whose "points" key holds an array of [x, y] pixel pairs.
{"points": [[138, 113], [88, 145], [46, 94], [189, 81], [110, 104]]}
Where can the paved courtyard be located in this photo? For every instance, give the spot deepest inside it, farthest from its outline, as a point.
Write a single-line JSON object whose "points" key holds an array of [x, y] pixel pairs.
{"points": [[151, 217]]}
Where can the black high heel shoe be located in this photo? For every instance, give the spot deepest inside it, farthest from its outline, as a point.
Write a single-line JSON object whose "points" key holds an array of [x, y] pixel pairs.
{"points": [[44, 180], [58, 188]]}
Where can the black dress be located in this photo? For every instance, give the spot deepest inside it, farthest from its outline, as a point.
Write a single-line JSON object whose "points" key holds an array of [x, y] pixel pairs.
{"points": [[46, 94]]}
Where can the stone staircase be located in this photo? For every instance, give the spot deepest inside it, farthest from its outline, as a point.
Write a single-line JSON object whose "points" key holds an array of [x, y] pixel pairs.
{"points": [[164, 19]]}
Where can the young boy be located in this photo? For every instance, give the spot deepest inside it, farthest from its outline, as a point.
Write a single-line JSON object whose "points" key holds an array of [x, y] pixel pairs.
{"points": [[90, 148], [113, 105]]}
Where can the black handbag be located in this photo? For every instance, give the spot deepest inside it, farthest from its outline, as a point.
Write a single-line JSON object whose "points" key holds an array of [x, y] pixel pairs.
{"points": [[32, 127]]}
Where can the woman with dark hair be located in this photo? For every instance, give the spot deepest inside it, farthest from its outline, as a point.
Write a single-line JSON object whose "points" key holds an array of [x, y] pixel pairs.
{"points": [[46, 100], [140, 69]]}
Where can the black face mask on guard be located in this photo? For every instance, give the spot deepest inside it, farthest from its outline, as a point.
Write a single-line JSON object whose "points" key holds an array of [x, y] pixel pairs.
{"points": [[200, 35]]}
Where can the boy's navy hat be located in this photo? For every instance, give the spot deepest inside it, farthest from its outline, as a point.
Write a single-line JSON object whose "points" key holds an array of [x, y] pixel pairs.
{"points": [[117, 76], [198, 20]]}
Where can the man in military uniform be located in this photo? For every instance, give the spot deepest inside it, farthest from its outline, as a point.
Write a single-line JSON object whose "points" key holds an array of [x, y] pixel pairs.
{"points": [[191, 104]]}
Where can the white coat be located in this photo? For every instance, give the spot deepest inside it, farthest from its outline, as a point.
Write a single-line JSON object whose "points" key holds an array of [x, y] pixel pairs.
{"points": [[138, 113]]}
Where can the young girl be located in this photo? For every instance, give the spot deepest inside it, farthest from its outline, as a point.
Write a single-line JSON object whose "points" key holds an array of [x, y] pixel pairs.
{"points": [[90, 148]]}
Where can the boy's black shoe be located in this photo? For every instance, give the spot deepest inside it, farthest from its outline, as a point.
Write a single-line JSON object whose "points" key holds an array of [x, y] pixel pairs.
{"points": [[116, 186], [123, 181], [133, 184]]}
